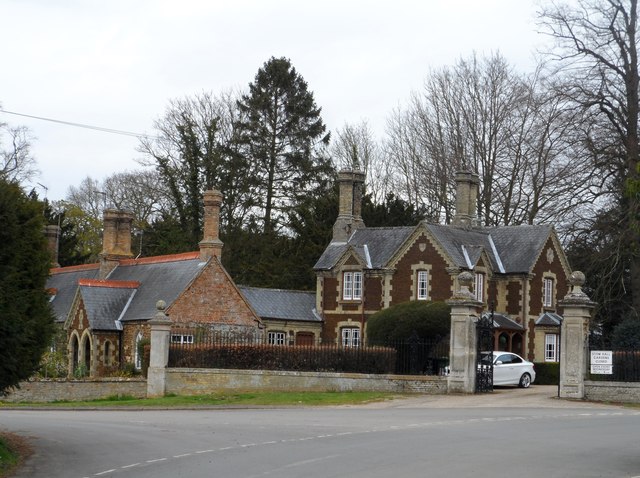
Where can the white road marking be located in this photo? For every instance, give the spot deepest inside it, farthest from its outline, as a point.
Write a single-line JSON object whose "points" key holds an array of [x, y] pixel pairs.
{"points": [[375, 430]]}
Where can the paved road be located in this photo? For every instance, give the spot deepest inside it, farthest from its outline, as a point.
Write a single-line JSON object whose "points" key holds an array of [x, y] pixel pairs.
{"points": [[525, 434]]}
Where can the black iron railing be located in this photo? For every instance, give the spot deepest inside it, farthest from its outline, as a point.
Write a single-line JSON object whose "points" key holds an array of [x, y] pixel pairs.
{"points": [[412, 357]]}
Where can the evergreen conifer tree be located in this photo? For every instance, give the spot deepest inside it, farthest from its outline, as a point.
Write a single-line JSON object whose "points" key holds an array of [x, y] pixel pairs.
{"points": [[26, 319]]}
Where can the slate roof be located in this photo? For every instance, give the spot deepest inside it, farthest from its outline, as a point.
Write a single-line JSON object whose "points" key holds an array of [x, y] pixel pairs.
{"points": [[510, 249], [549, 318], [282, 304], [65, 282], [519, 246], [104, 305], [504, 322], [381, 242], [161, 278]]}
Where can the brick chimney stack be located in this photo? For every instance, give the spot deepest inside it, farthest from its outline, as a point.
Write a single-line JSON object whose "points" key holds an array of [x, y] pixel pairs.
{"points": [[52, 233], [467, 186], [350, 205], [211, 245], [116, 240]]}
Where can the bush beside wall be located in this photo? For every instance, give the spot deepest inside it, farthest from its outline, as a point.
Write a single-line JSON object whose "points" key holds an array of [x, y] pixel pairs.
{"points": [[547, 373]]}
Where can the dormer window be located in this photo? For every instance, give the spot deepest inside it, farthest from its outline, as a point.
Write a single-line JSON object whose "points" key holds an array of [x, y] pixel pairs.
{"points": [[352, 286]]}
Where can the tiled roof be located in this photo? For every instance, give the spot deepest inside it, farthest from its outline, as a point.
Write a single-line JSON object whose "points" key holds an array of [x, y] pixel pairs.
{"points": [[381, 242], [159, 280], [155, 278], [549, 318], [105, 304], [519, 246], [282, 304], [65, 282], [511, 249], [504, 322]]}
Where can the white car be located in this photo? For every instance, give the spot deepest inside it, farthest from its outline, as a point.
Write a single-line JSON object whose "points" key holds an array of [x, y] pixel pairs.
{"points": [[511, 369]]}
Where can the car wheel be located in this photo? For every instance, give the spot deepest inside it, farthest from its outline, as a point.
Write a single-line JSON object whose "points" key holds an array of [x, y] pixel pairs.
{"points": [[525, 380]]}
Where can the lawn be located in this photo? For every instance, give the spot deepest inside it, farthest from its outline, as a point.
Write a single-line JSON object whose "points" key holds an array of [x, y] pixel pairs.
{"points": [[274, 399]]}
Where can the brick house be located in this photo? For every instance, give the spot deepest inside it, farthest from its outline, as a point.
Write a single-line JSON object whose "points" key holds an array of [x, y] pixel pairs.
{"points": [[105, 307], [520, 270]]}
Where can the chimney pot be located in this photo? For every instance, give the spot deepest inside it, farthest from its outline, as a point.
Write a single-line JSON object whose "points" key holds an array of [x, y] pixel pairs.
{"points": [[211, 245]]}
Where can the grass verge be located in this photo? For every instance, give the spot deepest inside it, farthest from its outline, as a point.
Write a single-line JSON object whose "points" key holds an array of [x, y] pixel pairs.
{"points": [[224, 399], [13, 450]]}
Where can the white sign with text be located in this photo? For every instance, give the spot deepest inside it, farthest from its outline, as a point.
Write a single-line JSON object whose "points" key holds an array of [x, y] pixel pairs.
{"points": [[602, 362]]}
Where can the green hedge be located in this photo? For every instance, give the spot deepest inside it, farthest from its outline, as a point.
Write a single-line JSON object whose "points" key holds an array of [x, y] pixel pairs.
{"points": [[292, 358], [547, 373]]}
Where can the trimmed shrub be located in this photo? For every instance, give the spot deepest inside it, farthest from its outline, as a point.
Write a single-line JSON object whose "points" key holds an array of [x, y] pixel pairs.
{"points": [[428, 320], [547, 373]]}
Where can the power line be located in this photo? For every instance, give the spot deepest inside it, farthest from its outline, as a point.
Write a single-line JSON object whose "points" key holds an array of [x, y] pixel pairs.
{"points": [[81, 125]]}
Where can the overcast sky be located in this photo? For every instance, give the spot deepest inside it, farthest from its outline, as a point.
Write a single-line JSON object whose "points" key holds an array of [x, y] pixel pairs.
{"points": [[117, 63]]}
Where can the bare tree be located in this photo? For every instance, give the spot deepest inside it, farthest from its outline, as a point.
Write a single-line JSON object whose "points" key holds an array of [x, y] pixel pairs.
{"points": [[596, 51], [195, 149], [482, 116], [355, 147], [16, 161]]}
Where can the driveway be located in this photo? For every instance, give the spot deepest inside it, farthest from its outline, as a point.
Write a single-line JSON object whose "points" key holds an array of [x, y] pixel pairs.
{"points": [[537, 396]]}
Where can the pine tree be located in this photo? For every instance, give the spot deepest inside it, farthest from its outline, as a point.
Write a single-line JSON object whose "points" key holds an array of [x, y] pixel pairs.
{"points": [[26, 320], [282, 133]]}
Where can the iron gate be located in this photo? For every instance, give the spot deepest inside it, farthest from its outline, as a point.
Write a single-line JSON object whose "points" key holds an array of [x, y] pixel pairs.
{"points": [[484, 366]]}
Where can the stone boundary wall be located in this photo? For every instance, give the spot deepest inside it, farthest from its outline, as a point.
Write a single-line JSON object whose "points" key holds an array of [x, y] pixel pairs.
{"points": [[52, 390], [192, 381], [626, 392]]}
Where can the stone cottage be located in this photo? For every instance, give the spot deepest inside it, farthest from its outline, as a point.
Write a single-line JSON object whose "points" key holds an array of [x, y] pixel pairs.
{"points": [[105, 307]]}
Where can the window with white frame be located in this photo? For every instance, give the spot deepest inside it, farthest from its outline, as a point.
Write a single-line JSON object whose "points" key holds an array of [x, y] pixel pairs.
{"points": [[352, 286], [479, 286], [547, 297], [350, 337], [276, 338], [423, 285], [551, 347], [181, 339]]}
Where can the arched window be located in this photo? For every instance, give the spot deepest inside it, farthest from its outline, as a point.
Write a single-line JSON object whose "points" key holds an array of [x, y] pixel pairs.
{"points": [[107, 353], [138, 352]]}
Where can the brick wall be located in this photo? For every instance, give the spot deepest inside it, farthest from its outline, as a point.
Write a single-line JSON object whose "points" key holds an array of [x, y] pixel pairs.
{"points": [[212, 298], [402, 283], [204, 381]]}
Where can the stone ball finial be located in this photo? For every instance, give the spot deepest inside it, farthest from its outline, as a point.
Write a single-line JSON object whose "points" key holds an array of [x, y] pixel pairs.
{"points": [[465, 279], [577, 278], [161, 305]]}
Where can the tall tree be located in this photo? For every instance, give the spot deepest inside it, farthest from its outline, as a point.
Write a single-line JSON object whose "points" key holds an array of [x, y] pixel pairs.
{"points": [[283, 135], [26, 320], [195, 149], [596, 49]]}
